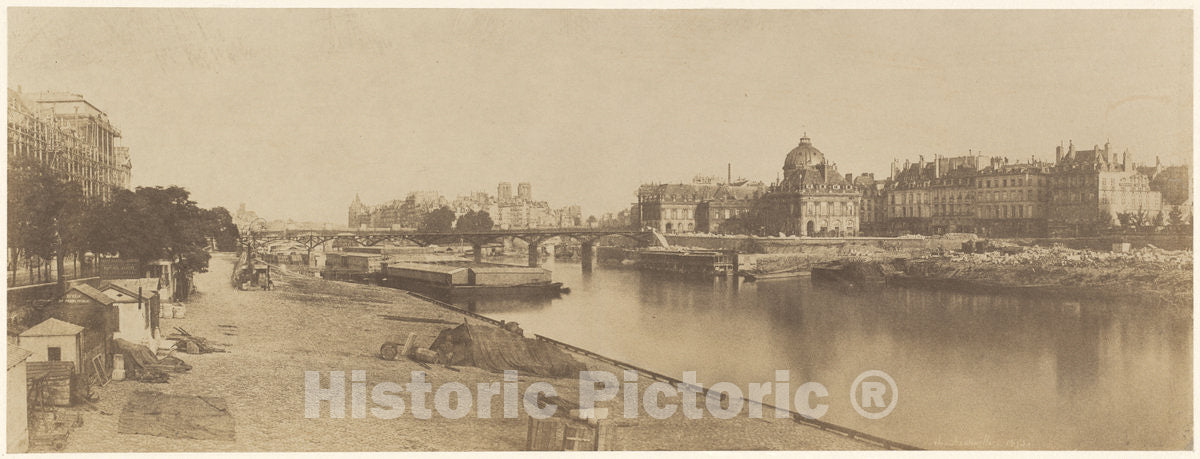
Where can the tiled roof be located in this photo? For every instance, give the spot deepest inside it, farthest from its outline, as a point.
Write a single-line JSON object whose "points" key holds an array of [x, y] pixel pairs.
{"points": [[53, 327], [92, 293], [149, 286]]}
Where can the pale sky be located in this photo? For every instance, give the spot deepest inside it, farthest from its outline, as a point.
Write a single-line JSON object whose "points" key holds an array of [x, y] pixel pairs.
{"points": [[295, 111]]}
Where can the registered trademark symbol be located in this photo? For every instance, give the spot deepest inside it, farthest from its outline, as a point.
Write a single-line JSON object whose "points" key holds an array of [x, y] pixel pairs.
{"points": [[871, 390]]}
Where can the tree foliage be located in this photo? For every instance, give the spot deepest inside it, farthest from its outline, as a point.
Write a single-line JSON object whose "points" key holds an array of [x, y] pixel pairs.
{"points": [[219, 226], [46, 213], [154, 223], [1175, 218], [475, 221], [439, 220]]}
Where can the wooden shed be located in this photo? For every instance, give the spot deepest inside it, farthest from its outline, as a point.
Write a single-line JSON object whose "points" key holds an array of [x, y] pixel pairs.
{"points": [[138, 308], [54, 341], [87, 307], [436, 275]]}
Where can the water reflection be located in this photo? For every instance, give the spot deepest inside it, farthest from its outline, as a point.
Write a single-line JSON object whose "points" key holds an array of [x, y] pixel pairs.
{"points": [[975, 371]]}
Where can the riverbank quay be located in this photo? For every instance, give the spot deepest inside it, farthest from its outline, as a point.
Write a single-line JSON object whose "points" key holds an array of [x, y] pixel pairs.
{"points": [[308, 324], [1160, 276]]}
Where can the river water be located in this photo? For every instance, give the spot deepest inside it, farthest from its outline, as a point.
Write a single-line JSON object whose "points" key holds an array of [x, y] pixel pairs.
{"points": [[972, 371]]}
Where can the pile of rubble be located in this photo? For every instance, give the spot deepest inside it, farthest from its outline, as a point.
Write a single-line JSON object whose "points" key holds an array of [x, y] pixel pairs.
{"points": [[1058, 256], [1150, 273]]}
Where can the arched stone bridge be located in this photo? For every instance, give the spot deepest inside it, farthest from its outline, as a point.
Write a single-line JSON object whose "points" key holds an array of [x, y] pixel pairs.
{"points": [[587, 238]]}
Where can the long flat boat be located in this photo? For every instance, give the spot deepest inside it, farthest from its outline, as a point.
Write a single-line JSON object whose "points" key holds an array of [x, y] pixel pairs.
{"points": [[471, 280], [776, 275]]}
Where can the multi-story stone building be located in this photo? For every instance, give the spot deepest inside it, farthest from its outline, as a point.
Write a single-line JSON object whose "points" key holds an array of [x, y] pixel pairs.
{"points": [[728, 201], [700, 206], [1089, 189], [71, 136], [933, 197], [1012, 199], [671, 208], [872, 209], [1081, 193], [395, 214], [951, 195], [506, 211], [908, 199], [813, 199]]}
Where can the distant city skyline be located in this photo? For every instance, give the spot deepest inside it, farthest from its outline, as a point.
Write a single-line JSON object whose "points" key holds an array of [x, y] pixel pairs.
{"points": [[589, 104]]}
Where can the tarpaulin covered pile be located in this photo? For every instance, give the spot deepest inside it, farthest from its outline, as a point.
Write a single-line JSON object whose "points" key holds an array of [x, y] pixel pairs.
{"points": [[496, 349]]}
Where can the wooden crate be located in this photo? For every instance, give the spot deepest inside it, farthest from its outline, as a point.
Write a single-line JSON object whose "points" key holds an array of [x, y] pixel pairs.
{"points": [[561, 434], [49, 383]]}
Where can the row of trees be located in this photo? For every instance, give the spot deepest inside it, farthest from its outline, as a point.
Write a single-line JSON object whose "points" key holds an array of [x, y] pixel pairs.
{"points": [[443, 219], [49, 218], [1143, 221]]}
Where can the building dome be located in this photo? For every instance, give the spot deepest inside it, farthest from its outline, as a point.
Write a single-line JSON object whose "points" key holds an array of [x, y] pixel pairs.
{"points": [[804, 156]]}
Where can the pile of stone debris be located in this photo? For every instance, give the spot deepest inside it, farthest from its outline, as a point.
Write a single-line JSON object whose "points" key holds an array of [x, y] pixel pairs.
{"points": [[1058, 256]]}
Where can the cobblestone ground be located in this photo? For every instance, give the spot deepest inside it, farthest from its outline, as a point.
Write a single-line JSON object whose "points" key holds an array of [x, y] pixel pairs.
{"points": [[315, 325]]}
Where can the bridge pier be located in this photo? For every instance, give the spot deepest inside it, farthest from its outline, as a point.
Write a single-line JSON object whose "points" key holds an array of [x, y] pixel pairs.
{"points": [[587, 251], [534, 254], [478, 248]]}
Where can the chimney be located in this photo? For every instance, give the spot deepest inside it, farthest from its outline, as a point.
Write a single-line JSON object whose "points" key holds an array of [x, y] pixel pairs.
{"points": [[937, 166], [1058, 153], [728, 173], [850, 178]]}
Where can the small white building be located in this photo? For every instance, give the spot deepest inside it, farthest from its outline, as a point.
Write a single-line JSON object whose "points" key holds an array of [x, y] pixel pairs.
{"points": [[137, 314], [54, 340], [18, 402], [165, 272]]}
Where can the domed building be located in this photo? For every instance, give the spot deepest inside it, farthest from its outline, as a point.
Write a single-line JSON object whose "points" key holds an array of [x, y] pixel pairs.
{"points": [[812, 199]]}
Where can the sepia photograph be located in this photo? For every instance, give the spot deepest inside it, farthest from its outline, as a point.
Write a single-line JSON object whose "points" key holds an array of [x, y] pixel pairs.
{"points": [[679, 227]]}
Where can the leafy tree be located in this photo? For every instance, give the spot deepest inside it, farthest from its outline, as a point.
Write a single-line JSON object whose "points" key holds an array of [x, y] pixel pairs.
{"points": [[1139, 219], [751, 222], [734, 225], [475, 221], [439, 220], [45, 213], [1175, 217], [1125, 219], [153, 223], [219, 226]]}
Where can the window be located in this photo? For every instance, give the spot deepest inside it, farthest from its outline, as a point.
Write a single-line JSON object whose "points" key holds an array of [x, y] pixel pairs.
{"points": [[54, 354]]}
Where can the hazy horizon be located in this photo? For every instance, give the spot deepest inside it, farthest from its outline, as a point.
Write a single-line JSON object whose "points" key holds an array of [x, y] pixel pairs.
{"points": [[294, 111]]}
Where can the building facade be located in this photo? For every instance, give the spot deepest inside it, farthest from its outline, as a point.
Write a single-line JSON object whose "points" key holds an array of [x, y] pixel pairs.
{"points": [[813, 199], [506, 210], [701, 206], [1081, 193], [69, 135], [1012, 199], [1091, 189]]}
